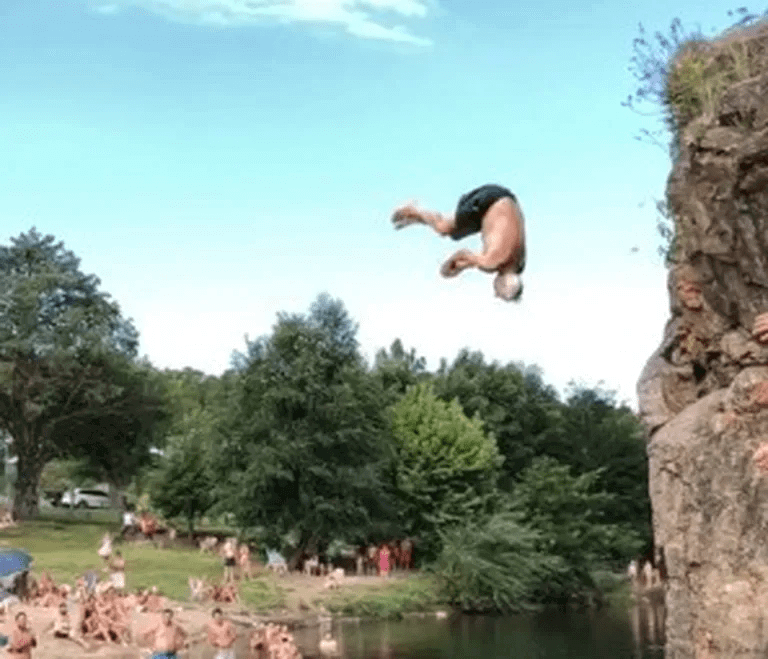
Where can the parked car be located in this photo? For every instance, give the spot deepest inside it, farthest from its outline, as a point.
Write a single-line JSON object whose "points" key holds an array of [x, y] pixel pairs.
{"points": [[81, 498]]}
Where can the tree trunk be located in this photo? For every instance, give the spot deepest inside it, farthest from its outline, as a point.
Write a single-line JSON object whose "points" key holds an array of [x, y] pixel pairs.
{"points": [[307, 542], [115, 499], [25, 498]]}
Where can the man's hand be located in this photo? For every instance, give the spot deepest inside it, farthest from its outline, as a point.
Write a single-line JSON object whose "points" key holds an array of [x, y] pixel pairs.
{"points": [[461, 260]]}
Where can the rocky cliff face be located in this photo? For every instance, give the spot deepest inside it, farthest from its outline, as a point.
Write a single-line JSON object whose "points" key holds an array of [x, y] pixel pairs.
{"points": [[704, 392]]}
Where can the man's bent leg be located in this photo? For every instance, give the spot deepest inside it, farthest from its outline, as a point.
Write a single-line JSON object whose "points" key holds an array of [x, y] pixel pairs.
{"points": [[408, 214], [487, 261]]}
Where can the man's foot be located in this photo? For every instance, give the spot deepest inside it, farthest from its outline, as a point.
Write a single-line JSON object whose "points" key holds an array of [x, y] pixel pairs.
{"points": [[406, 215]]}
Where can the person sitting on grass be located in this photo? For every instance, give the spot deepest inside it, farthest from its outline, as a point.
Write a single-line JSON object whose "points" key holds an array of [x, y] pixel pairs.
{"points": [[62, 626]]}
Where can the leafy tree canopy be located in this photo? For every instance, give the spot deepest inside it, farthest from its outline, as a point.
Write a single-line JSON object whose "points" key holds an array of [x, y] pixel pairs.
{"points": [[57, 335], [447, 465], [306, 448]]}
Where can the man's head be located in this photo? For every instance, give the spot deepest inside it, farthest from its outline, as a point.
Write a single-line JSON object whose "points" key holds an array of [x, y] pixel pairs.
{"points": [[167, 616], [21, 620], [508, 286], [217, 614]]}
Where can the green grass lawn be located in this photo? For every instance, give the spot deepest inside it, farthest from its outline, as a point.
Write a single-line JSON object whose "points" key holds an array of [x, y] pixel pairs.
{"points": [[65, 545]]}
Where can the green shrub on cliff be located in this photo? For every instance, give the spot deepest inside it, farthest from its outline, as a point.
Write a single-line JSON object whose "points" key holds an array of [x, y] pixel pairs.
{"points": [[685, 74], [701, 72]]}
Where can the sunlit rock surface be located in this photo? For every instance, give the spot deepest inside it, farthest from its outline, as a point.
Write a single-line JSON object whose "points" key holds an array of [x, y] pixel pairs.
{"points": [[704, 393]]}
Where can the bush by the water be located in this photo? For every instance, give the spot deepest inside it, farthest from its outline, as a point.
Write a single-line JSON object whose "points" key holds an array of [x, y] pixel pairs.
{"points": [[494, 565]]}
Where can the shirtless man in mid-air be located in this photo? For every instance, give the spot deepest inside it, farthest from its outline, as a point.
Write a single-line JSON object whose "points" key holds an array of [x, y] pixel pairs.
{"points": [[492, 210]]}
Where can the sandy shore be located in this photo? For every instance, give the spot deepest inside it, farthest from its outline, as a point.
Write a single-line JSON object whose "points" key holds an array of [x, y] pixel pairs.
{"points": [[193, 618]]}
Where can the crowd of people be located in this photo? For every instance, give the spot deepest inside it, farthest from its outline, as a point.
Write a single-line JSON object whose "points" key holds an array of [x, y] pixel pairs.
{"points": [[384, 558], [166, 637], [375, 559], [98, 611], [645, 577]]}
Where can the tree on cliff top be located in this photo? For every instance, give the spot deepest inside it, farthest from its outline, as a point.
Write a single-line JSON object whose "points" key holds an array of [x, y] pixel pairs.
{"points": [[682, 74], [56, 332]]}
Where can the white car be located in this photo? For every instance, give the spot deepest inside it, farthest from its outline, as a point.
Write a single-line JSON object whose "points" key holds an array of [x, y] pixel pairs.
{"points": [[80, 498]]}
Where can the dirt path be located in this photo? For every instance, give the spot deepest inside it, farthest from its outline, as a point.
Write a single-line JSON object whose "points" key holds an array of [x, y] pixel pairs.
{"points": [[305, 593]]}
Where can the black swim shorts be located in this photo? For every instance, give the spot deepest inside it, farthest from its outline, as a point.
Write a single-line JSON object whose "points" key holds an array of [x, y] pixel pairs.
{"points": [[473, 206]]}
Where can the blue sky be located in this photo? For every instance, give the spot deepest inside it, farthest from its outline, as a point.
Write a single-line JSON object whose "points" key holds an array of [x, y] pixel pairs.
{"points": [[217, 161]]}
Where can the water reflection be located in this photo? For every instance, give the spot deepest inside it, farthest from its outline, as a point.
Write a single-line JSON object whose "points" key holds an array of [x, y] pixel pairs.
{"points": [[647, 622], [637, 634]]}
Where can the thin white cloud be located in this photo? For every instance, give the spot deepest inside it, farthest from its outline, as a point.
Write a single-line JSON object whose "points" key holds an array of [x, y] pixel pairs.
{"points": [[367, 19]]}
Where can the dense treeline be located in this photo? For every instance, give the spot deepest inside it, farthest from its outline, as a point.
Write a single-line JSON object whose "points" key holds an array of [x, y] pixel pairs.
{"points": [[511, 495]]}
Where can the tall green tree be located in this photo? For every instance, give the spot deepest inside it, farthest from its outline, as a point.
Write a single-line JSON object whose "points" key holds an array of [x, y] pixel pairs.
{"points": [[598, 433], [115, 441], [397, 369], [516, 406], [183, 483], [306, 448], [567, 511], [446, 468], [56, 332]]}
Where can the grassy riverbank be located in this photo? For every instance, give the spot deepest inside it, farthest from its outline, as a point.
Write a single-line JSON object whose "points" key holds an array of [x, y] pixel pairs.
{"points": [[65, 545], [66, 548], [392, 600]]}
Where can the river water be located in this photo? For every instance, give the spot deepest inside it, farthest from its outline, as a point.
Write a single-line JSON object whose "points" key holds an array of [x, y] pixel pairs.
{"points": [[607, 634], [596, 635]]}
